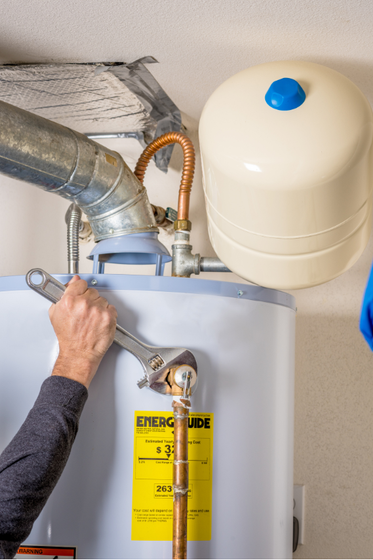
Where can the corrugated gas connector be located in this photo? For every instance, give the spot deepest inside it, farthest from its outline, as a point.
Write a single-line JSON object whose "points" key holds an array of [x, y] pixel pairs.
{"points": [[72, 219]]}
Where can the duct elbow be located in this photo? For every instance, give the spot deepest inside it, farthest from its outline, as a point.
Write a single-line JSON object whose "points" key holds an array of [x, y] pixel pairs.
{"points": [[113, 199], [65, 162]]}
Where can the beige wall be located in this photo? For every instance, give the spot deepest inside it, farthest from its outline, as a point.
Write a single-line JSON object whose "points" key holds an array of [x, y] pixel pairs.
{"points": [[334, 367], [334, 417]]}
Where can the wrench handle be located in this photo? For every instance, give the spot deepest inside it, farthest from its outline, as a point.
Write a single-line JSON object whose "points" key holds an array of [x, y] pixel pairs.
{"points": [[45, 285]]}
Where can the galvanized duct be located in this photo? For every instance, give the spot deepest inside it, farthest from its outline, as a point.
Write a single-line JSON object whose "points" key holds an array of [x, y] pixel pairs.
{"points": [[60, 160]]}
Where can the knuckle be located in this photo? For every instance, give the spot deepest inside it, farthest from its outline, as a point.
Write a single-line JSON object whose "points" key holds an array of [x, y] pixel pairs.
{"points": [[106, 316], [107, 319], [113, 311], [82, 283], [93, 293], [67, 300], [84, 303], [79, 287]]}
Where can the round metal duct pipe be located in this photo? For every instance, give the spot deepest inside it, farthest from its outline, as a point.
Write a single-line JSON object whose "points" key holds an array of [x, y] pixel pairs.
{"points": [[287, 168], [60, 160]]}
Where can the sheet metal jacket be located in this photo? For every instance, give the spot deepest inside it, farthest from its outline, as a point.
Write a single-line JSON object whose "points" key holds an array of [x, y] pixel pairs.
{"points": [[60, 160]]}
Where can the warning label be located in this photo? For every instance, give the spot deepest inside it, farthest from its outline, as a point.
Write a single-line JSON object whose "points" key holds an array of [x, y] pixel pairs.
{"points": [[31, 551], [152, 494]]}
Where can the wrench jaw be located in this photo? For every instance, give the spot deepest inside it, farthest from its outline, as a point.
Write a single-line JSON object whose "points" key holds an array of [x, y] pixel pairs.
{"points": [[158, 380]]}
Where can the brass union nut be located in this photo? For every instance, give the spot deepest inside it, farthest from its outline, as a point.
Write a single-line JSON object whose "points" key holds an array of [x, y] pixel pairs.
{"points": [[184, 225]]}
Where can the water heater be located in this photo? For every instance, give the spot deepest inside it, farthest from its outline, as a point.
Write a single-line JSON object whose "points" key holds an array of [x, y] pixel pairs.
{"points": [[114, 499], [286, 153]]}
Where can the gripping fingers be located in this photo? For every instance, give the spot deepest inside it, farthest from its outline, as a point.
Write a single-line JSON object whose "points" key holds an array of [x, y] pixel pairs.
{"points": [[100, 301], [92, 294]]}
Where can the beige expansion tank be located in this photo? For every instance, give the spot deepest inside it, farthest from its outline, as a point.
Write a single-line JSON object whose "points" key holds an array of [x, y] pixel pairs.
{"points": [[287, 167]]}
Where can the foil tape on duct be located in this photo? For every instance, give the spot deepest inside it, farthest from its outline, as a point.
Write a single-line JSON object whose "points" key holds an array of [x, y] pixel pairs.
{"points": [[95, 99]]}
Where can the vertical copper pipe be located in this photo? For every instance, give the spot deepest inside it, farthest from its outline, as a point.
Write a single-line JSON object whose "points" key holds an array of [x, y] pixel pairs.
{"points": [[181, 481], [188, 167]]}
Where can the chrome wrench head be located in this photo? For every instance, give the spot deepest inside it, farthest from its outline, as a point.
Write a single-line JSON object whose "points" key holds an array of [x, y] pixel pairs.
{"points": [[158, 379]]}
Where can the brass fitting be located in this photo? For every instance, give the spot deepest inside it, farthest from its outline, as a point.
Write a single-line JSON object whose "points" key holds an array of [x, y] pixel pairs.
{"points": [[183, 225]]}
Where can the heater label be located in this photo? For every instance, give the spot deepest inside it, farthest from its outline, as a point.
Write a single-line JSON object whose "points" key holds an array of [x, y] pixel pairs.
{"points": [[152, 494], [30, 551]]}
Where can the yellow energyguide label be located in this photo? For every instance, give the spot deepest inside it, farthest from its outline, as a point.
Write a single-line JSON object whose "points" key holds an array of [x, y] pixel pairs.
{"points": [[152, 493]]}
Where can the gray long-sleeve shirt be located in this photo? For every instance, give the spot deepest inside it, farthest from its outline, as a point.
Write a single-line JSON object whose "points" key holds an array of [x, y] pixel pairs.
{"points": [[32, 463]]}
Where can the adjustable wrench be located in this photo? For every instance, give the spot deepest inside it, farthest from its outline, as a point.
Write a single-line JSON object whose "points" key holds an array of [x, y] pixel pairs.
{"points": [[156, 362]]}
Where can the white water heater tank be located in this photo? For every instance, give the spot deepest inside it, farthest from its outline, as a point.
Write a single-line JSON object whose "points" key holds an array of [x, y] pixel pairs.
{"points": [[286, 152], [114, 498]]}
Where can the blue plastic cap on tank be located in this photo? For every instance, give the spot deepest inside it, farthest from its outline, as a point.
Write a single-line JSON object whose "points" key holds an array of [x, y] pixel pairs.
{"points": [[285, 94]]}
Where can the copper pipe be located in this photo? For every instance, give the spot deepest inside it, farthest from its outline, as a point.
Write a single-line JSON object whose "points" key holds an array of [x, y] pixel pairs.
{"points": [[188, 166], [181, 480]]}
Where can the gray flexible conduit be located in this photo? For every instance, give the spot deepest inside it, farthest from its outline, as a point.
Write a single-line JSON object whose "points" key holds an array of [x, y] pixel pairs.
{"points": [[73, 216]]}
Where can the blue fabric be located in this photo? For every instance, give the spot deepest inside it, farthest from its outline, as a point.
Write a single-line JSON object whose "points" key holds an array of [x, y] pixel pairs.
{"points": [[366, 317]]}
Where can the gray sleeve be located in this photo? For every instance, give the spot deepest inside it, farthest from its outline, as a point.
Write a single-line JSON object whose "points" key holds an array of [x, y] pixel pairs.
{"points": [[32, 463]]}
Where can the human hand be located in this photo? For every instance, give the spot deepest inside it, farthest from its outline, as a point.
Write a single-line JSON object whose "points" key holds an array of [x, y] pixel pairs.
{"points": [[84, 324]]}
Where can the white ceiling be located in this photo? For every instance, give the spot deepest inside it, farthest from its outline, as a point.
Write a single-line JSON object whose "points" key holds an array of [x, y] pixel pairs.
{"points": [[198, 43]]}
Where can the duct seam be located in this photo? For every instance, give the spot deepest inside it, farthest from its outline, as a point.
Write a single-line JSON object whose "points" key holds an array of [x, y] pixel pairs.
{"points": [[75, 166], [120, 208], [112, 189]]}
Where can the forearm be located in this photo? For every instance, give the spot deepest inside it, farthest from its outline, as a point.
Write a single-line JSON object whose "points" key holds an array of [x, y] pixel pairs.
{"points": [[33, 461], [76, 368]]}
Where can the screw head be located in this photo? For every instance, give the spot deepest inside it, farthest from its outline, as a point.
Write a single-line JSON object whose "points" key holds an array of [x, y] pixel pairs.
{"points": [[94, 282]]}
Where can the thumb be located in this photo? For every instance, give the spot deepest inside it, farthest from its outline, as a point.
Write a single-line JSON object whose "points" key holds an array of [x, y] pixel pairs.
{"points": [[53, 306], [73, 279]]}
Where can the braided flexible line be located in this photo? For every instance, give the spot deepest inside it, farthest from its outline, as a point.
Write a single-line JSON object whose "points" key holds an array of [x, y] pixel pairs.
{"points": [[188, 166]]}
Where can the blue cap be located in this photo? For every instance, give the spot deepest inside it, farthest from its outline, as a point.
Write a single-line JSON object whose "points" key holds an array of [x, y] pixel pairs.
{"points": [[285, 95], [135, 248]]}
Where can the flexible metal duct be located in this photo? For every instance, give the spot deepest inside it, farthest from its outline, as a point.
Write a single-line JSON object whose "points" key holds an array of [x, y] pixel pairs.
{"points": [[60, 160]]}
